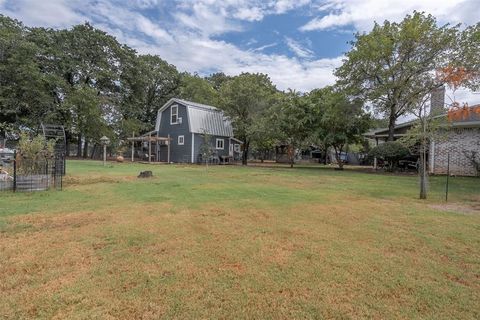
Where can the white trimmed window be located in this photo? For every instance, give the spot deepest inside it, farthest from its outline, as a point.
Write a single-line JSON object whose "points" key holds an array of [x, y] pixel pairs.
{"points": [[236, 147], [181, 140], [174, 114], [220, 144]]}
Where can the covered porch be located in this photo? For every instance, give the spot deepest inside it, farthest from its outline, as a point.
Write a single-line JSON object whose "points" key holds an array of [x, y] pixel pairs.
{"points": [[153, 143]]}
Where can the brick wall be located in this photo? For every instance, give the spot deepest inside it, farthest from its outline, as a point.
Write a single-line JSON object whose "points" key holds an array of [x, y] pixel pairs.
{"points": [[456, 141]]}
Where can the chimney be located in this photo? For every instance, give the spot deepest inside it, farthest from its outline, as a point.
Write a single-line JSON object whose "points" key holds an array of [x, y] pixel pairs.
{"points": [[437, 101]]}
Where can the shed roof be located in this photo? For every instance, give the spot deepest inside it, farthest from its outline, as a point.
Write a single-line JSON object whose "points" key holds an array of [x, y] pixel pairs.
{"points": [[211, 121], [203, 118]]}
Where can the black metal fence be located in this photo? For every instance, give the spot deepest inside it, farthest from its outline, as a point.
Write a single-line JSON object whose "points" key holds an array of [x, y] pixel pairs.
{"points": [[25, 175]]}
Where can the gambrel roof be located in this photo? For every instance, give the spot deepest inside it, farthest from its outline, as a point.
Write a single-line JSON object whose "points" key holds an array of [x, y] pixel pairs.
{"points": [[201, 118]]}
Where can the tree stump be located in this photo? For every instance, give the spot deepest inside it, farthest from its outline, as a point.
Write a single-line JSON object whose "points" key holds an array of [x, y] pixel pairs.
{"points": [[145, 174]]}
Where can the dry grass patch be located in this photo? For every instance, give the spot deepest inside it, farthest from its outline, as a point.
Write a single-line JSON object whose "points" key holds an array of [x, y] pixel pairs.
{"points": [[80, 180], [171, 248]]}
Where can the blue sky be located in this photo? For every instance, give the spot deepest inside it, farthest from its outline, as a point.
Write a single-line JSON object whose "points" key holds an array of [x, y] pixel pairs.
{"points": [[297, 42]]}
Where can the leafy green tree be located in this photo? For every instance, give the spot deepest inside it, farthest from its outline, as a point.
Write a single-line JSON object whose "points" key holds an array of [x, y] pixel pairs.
{"points": [[264, 137], [245, 99], [25, 90], [197, 89], [340, 121], [217, 79], [90, 60], [316, 99], [206, 148], [147, 82], [292, 118], [468, 57], [393, 66]]}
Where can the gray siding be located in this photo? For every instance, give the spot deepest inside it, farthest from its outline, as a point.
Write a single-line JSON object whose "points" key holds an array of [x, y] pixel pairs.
{"points": [[199, 140], [183, 153], [178, 153]]}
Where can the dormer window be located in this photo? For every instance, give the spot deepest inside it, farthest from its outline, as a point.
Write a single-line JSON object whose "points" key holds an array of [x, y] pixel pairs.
{"points": [[174, 114]]}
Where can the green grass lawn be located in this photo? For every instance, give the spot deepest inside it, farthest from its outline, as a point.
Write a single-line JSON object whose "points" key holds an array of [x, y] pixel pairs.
{"points": [[240, 242]]}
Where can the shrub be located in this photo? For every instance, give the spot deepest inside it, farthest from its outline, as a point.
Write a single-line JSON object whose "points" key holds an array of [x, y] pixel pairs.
{"points": [[474, 158], [32, 152], [391, 152]]}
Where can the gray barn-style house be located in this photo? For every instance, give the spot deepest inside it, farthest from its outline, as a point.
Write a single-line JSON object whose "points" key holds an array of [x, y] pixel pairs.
{"points": [[186, 124]]}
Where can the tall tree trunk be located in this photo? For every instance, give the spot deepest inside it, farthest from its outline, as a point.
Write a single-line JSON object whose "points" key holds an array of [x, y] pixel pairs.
{"points": [[338, 152], [93, 151], [391, 126], [79, 145], [85, 149], [325, 153], [422, 170], [67, 146], [291, 155], [246, 146]]}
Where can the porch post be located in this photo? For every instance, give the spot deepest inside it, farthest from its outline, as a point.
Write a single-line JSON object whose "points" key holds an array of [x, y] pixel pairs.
{"points": [[168, 149], [149, 147], [193, 147]]}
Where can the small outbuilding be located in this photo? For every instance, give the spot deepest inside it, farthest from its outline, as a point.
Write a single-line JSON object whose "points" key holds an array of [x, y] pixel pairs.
{"points": [[180, 132]]}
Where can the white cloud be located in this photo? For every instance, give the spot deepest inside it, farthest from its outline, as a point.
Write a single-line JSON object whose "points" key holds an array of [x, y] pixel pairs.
{"points": [[149, 28], [249, 14], [144, 4], [206, 56], [188, 41], [282, 6], [270, 45], [362, 13], [463, 96], [54, 13], [298, 49]]}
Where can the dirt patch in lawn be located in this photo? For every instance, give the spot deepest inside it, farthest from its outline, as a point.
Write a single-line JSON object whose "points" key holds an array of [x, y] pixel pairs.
{"points": [[94, 179], [470, 209]]}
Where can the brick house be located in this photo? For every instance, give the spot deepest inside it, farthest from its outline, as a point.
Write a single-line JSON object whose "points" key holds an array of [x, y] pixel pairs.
{"points": [[461, 140], [458, 139]]}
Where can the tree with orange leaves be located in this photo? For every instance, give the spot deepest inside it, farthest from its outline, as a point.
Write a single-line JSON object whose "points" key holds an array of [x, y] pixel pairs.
{"points": [[453, 76]]}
